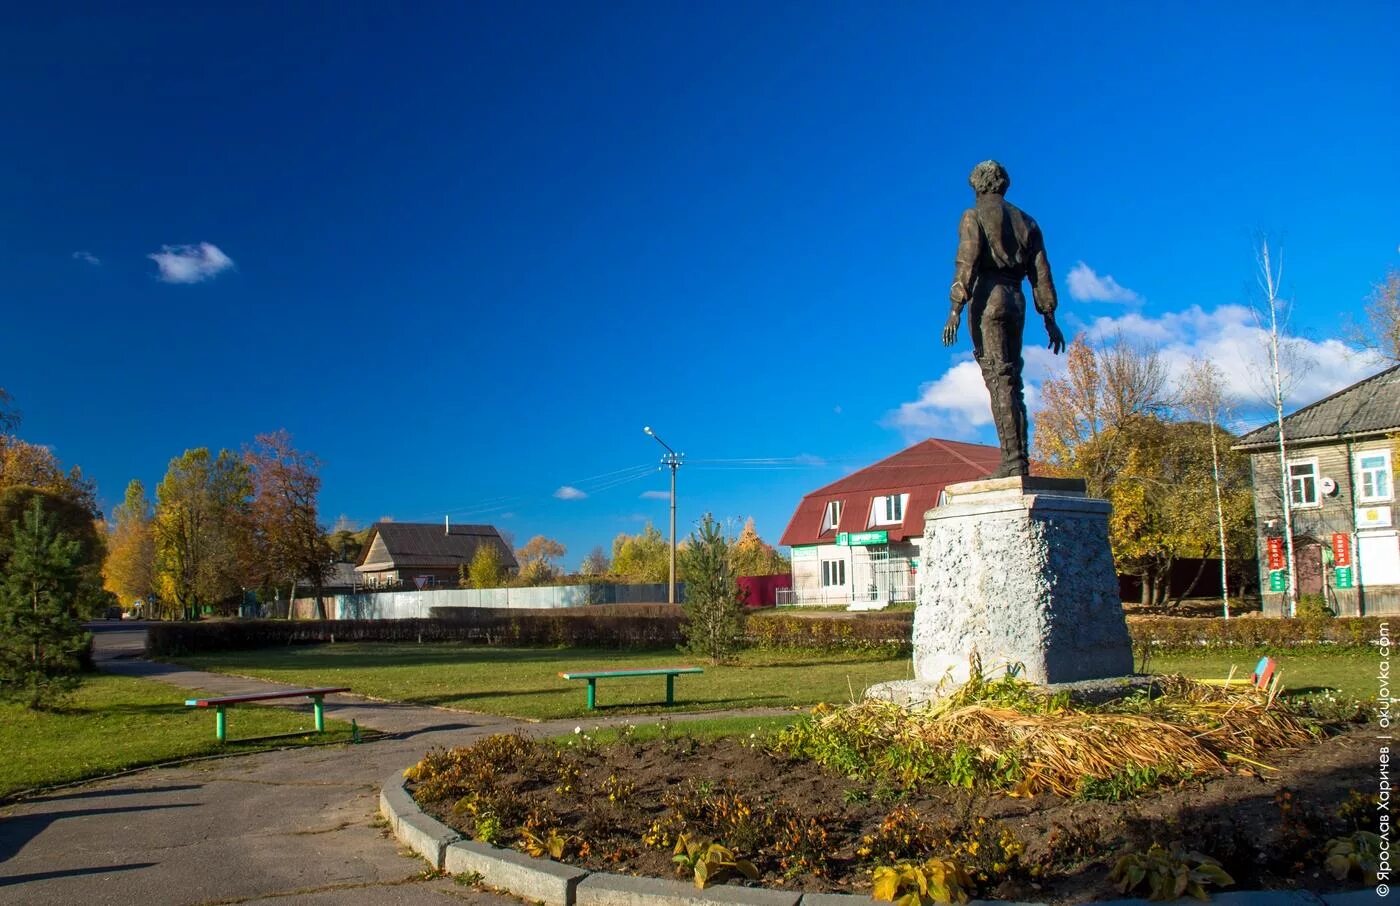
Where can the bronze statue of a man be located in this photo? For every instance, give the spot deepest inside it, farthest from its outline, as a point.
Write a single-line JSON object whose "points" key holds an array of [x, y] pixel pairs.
{"points": [[999, 245]]}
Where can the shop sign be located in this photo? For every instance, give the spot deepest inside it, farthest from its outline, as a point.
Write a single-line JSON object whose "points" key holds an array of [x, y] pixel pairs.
{"points": [[862, 539], [1341, 549], [1274, 548], [1344, 577], [1373, 517], [1278, 580]]}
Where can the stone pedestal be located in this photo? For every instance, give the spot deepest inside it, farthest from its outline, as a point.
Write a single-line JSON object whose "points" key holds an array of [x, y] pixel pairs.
{"points": [[1017, 570]]}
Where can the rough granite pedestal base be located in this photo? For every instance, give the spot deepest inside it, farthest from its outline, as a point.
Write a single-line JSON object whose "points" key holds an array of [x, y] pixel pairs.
{"points": [[1018, 572]]}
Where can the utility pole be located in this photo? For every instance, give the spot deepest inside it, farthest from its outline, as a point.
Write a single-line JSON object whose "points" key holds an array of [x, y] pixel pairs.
{"points": [[673, 460]]}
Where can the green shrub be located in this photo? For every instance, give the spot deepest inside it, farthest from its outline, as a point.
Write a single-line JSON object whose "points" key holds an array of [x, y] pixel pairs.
{"points": [[1195, 634]]}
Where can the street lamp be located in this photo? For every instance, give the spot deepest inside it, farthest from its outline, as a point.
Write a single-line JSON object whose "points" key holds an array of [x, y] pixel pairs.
{"points": [[673, 460]]}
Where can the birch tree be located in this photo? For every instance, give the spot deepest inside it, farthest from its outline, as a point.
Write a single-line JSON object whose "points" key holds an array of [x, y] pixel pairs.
{"points": [[1202, 395], [1270, 277]]}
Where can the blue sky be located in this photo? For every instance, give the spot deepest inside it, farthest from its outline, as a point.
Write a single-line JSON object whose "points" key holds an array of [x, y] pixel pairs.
{"points": [[464, 252]]}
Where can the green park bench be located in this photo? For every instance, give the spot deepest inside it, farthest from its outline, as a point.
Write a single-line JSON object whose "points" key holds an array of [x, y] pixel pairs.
{"points": [[669, 672], [219, 704]]}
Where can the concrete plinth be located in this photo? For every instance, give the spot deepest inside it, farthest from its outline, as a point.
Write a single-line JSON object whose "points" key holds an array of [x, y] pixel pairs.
{"points": [[1019, 572]]}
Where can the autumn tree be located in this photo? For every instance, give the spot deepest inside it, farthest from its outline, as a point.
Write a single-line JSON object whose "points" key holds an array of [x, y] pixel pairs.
{"points": [[9, 415], [1381, 333], [130, 570], [27, 465], [487, 569], [289, 544], [596, 564], [714, 618], [539, 560], [1083, 414], [1163, 501], [41, 609], [202, 529], [642, 558], [750, 555]]}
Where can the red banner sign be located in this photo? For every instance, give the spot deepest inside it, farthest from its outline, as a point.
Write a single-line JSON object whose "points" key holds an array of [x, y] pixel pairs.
{"points": [[1275, 553], [1341, 549]]}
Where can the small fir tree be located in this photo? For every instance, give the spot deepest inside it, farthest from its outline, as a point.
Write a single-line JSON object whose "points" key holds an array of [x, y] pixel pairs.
{"points": [[41, 638], [714, 618]]}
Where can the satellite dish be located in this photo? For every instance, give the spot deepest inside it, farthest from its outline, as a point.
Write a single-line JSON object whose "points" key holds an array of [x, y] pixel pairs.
{"points": [[1328, 486]]}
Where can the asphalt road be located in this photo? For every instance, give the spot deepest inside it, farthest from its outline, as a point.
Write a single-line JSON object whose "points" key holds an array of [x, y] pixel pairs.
{"points": [[292, 827]]}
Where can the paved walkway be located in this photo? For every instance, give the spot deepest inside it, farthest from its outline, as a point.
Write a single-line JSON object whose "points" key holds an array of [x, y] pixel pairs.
{"points": [[288, 828]]}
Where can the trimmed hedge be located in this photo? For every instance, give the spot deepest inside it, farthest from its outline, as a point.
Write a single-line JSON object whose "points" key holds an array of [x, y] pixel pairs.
{"points": [[481, 626], [892, 633], [620, 626], [1195, 633], [624, 626]]}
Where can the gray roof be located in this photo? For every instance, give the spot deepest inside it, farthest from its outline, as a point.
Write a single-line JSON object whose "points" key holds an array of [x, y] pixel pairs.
{"points": [[419, 544], [1368, 407]]}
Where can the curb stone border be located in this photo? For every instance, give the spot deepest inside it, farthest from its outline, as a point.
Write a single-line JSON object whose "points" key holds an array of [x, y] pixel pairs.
{"points": [[556, 884]]}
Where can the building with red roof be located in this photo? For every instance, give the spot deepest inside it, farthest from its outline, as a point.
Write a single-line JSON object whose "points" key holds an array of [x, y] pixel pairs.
{"points": [[857, 540]]}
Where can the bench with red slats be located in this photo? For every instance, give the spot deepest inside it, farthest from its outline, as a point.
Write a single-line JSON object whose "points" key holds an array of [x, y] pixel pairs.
{"points": [[219, 704]]}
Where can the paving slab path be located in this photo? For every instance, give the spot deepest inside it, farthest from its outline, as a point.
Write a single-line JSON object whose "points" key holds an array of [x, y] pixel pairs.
{"points": [[292, 827]]}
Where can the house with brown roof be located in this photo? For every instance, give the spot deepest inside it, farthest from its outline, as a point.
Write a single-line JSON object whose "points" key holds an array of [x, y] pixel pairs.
{"points": [[1340, 482], [856, 541], [424, 555]]}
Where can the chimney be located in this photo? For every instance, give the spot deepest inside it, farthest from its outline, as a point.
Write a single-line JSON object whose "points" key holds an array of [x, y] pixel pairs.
{"points": [[447, 525]]}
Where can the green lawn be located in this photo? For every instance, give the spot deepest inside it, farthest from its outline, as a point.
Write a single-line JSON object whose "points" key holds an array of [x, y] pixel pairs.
{"points": [[115, 722], [525, 682], [1349, 671]]}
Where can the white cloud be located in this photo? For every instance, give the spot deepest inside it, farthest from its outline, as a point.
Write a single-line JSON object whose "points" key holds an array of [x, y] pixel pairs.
{"points": [[956, 405], [190, 263], [87, 258], [656, 495], [568, 492], [1087, 286]]}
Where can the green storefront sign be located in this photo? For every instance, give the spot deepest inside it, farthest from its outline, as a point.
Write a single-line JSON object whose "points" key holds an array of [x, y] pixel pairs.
{"points": [[1345, 579], [861, 539], [1278, 580]]}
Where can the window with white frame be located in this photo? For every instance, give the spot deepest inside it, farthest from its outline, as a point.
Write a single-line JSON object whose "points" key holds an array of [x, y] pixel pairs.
{"points": [[832, 516], [833, 573], [890, 509], [1373, 476], [1302, 481]]}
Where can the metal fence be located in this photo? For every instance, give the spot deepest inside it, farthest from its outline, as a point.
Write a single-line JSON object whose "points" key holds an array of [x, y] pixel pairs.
{"points": [[406, 605], [874, 583]]}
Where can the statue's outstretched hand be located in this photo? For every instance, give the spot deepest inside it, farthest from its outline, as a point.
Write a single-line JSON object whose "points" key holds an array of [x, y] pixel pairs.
{"points": [[1057, 339], [950, 329]]}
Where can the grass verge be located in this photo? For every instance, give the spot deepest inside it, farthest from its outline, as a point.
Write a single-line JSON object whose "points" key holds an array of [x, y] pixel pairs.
{"points": [[525, 682], [1349, 672], [112, 723]]}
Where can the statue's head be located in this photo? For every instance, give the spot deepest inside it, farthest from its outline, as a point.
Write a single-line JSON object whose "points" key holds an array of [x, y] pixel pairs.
{"points": [[989, 178]]}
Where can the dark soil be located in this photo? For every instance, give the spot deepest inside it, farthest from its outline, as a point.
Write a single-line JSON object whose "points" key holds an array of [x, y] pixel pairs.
{"points": [[1267, 829]]}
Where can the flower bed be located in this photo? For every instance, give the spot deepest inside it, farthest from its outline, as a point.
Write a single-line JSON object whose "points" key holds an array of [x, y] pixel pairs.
{"points": [[834, 799]]}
